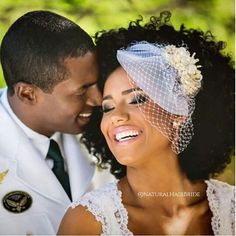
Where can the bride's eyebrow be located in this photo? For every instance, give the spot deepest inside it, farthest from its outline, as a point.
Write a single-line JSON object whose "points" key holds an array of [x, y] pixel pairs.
{"points": [[131, 90], [125, 92]]}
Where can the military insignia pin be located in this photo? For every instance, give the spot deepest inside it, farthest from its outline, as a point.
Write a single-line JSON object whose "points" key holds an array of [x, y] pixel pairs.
{"points": [[17, 201], [2, 175]]}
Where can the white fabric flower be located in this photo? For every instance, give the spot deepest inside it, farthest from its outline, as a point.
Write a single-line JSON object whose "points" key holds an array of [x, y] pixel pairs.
{"points": [[185, 64]]}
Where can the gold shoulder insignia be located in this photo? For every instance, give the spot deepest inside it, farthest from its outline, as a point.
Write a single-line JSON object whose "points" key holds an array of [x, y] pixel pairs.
{"points": [[2, 175]]}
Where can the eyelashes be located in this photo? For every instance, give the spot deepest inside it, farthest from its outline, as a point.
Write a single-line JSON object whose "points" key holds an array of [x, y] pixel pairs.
{"points": [[139, 99], [106, 109], [136, 100]]}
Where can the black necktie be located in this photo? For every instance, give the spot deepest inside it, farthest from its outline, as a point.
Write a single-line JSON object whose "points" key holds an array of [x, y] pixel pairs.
{"points": [[54, 153]]}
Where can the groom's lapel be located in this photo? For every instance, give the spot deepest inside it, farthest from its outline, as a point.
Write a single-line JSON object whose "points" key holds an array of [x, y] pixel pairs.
{"points": [[80, 167]]}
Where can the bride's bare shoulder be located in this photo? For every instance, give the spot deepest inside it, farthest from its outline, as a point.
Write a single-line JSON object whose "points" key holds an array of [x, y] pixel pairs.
{"points": [[79, 220]]}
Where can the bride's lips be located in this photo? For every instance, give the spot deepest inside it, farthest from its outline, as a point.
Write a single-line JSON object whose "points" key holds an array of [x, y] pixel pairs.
{"points": [[126, 134]]}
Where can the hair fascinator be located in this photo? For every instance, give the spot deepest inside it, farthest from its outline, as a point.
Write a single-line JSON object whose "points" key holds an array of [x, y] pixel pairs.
{"points": [[170, 78]]}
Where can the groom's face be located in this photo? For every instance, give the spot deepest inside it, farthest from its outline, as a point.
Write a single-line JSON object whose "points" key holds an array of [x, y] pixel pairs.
{"points": [[68, 108]]}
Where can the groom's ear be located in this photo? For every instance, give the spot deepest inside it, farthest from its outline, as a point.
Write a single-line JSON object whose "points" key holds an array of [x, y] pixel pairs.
{"points": [[26, 93]]}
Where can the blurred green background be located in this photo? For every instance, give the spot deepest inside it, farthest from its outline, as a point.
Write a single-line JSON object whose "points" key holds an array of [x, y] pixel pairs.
{"points": [[94, 15]]}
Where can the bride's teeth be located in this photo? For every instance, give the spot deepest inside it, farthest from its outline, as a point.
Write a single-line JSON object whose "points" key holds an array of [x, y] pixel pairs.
{"points": [[126, 135]]}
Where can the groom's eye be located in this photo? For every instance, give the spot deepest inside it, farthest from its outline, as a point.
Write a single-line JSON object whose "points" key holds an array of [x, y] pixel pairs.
{"points": [[84, 88]]}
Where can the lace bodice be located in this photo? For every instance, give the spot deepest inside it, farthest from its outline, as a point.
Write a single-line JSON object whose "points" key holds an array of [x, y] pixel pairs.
{"points": [[106, 205], [221, 198]]}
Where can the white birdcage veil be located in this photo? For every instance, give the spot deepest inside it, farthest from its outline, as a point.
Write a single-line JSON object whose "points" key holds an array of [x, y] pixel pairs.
{"points": [[170, 78]]}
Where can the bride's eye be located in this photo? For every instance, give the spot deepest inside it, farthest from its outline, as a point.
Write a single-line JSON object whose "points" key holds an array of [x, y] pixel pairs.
{"points": [[106, 108], [139, 99]]}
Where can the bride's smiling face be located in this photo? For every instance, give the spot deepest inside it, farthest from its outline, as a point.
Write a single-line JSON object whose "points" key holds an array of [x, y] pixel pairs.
{"points": [[130, 137]]}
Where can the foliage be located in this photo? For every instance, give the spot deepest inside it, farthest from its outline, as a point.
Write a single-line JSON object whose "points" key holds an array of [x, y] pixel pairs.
{"points": [[95, 15]]}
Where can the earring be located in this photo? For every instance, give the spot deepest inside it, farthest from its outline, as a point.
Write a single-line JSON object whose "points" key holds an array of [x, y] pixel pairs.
{"points": [[176, 124]]}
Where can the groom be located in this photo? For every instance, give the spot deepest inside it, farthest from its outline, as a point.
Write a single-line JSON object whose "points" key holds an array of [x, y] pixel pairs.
{"points": [[49, 65]]}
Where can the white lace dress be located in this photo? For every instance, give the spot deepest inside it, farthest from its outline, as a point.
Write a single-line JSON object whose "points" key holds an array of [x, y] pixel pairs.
{"points": [[106, 205]]}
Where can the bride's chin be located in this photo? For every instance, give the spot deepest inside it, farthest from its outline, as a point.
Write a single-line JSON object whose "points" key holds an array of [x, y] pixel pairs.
{"points": [[127, 161]]}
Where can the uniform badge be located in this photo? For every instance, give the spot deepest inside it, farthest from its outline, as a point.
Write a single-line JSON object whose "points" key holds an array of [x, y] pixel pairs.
{"points": [[2, 175], [17, 201]]}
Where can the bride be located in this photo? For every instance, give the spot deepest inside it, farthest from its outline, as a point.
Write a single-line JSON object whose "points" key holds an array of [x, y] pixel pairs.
{"points": [[151, 117]]}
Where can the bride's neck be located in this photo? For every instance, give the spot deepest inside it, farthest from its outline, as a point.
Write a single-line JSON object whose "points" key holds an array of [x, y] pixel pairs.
{"points": [[161, 176], [159, 173]]}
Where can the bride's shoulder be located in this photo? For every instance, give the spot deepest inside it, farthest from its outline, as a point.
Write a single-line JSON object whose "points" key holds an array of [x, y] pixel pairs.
{"points": [[78, 221]]}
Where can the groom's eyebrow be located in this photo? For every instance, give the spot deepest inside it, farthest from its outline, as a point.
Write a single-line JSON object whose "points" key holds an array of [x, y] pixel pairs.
{"points": [[89, 85]]}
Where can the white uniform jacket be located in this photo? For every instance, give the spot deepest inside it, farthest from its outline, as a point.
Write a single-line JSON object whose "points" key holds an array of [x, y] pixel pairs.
{"points": [[43, 203]]}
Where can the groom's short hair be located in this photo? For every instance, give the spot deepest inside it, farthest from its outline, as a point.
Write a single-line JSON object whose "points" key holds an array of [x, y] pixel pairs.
{"points": [[35, 46]]}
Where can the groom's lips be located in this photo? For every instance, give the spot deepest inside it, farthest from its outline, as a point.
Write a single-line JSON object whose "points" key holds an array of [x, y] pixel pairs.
{"points": [[84, 117]]}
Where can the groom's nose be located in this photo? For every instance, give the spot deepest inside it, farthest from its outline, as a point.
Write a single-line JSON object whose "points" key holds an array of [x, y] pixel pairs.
{"points": [[94, 96]]}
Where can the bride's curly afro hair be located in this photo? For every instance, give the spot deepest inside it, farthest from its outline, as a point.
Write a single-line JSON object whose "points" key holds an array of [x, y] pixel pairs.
{"points": [[213, 142]]}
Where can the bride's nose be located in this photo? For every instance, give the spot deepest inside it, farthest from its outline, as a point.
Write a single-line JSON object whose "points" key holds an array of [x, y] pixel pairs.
{"points": [[120, 115]]}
